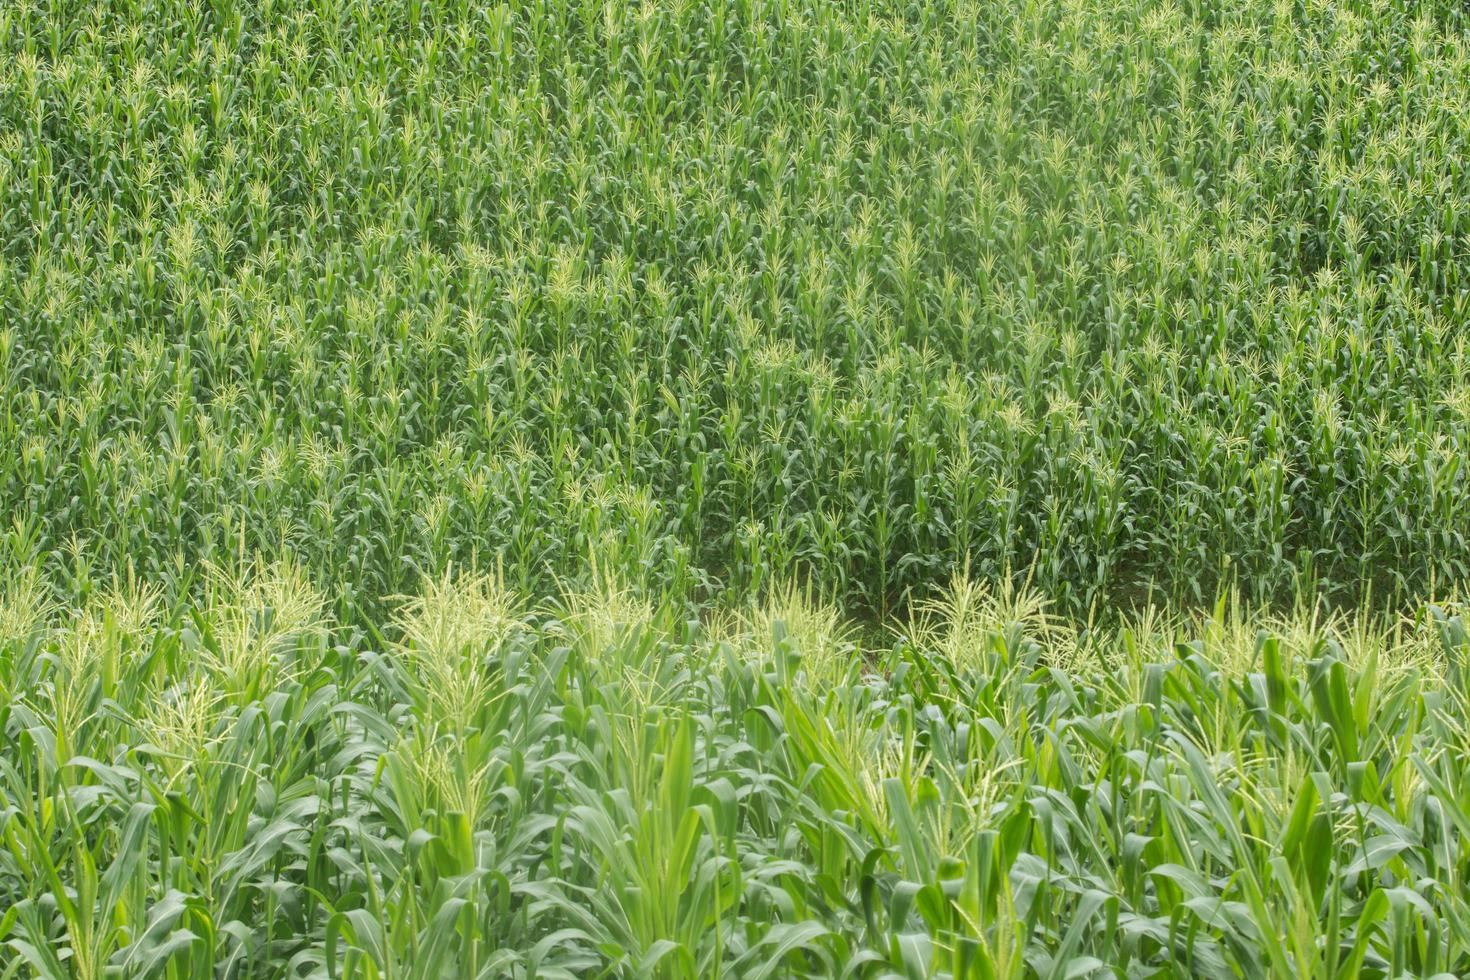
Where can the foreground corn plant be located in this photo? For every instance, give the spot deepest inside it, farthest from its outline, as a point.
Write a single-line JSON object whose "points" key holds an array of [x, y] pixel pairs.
{"points": [[563, 791]]}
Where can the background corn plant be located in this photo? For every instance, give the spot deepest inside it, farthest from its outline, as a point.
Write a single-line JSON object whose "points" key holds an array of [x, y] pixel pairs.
{"points": [[1137, 299]]}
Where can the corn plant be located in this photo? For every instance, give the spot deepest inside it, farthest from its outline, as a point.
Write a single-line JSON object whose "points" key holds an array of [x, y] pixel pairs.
{"points": [[562, 790], [771, 488], [1133, 302]]}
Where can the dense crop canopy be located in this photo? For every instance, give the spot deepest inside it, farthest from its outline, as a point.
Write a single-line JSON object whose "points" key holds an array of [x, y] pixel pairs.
{"points": [[734, 488], [597, 789], [1133, 298]]}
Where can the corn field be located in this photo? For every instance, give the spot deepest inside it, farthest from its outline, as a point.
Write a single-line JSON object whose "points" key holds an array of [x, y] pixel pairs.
{"points": [[734, 488]]}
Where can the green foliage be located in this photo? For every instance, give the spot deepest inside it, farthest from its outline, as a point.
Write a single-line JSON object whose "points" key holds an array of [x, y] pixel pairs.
{"points": [[456, 458], [1138, 299], [532, 797]]}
